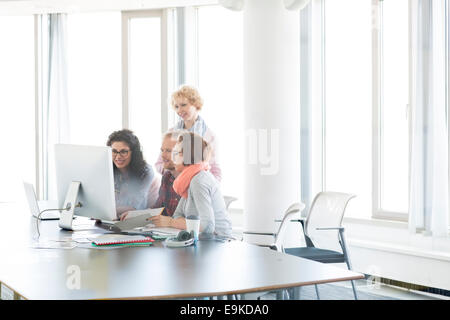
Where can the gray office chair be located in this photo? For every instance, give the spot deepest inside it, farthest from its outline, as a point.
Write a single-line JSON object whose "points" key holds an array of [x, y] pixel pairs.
{"points": [[325, 217]]}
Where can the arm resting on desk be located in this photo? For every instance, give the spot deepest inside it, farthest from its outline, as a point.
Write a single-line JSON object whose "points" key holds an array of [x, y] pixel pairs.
{"points": [[164, 221]]}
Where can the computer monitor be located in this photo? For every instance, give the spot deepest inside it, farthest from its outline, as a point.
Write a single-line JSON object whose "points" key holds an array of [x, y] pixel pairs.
{"points": [[85, 183]]}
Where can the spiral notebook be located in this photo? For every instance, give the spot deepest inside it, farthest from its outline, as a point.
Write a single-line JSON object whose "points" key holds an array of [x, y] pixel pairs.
{"points": [[122, 240]]}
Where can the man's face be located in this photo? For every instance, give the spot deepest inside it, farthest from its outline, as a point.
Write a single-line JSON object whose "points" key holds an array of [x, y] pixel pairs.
{"points": [[166, 153]]}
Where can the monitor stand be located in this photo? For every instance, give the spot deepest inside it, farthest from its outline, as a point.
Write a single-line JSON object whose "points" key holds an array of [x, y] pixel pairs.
{"points": [[66, 216]]}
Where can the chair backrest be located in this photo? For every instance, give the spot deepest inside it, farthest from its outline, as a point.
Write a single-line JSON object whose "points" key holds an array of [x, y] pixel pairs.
{"points": [[228, 200], [288, 215], [327, 211]]}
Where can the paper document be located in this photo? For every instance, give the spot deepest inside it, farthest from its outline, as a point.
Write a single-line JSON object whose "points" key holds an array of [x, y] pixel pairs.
{"points": [[163, 231], [151, 212], [53, 245], [138, 218]]}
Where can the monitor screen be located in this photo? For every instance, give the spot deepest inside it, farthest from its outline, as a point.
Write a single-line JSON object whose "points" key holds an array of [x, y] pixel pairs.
{"points": [[92, 166]]}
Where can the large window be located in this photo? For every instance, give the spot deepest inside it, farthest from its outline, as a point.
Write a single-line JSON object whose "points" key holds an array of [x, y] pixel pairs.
{"points": [[17, 102], [393, 106], [220, 76], [94, 76], [144, 65], [365, 96], [348, 101]]}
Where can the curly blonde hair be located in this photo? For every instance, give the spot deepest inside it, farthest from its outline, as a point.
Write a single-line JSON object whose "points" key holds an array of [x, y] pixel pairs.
{"points": [[191, 94]]}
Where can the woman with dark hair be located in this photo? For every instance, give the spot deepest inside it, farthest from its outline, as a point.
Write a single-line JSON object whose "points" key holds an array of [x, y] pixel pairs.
{"points": [[133, 177]]}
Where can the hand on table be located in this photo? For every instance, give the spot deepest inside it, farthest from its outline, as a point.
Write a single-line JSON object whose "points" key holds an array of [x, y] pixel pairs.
{"points": [[124, 215], [161, 221]]}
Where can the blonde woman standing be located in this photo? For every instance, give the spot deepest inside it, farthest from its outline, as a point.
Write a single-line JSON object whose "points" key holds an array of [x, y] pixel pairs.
{"points": [[187, 103]]}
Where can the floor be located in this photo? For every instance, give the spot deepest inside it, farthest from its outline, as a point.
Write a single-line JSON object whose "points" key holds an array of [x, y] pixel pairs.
{"points": [[366, 291], [393, 292]]}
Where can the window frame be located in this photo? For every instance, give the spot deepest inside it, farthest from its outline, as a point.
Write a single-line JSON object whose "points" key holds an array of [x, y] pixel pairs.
{"points": [[41, 180], [192, 74], [319, 155], [377, 98], [163, 14], [447, 80]]}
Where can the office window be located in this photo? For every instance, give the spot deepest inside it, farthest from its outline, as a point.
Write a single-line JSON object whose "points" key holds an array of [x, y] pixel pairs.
{"points": [[94, 76], [393, 108], [144, 83], [17, 105], [348, 102], [220, 76]]}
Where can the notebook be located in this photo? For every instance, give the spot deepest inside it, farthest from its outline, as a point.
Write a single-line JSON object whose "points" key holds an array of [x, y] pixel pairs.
{"points": [[117, 239]]}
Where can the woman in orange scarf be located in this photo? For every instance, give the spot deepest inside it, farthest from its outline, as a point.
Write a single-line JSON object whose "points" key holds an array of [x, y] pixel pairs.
{"points": [[199, 190]]}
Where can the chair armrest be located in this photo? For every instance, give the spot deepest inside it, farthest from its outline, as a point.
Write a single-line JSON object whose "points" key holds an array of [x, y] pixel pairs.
{"points": [[331, 228], [260, 233], [293, 220]]}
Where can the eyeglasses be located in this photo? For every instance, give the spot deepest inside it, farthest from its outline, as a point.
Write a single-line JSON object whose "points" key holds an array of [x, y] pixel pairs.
{"points": [[166, 150], [175, 152], [123, 153]]}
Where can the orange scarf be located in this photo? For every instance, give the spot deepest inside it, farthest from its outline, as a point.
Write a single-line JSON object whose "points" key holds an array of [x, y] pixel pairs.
{"points": [[182, 182]]}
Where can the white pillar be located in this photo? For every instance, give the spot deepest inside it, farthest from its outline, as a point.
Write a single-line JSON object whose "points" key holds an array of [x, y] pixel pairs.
{"points": [[272, 112]]}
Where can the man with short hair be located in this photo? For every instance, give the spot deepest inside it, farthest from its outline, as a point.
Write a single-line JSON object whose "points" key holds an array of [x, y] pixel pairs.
{"points": [[168, 198]]}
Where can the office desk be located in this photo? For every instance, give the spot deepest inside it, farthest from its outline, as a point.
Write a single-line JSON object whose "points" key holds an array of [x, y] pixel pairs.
{"points": [[209, 269]]}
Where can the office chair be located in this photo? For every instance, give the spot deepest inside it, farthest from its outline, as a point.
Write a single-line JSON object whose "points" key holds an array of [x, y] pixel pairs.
{"points": [[325, 217], [279, 235], [228, 200]]}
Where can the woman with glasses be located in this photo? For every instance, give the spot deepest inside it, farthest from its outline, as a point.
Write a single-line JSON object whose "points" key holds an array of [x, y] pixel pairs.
{"points": [[199, 190], [134, 179], [187, 103]]}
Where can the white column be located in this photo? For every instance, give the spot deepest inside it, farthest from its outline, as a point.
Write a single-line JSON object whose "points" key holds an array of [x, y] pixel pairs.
{"points": [[272, 112]]}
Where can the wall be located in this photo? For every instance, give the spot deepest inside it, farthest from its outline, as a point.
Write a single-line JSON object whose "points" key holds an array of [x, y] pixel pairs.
{"points": [[388, 250]]}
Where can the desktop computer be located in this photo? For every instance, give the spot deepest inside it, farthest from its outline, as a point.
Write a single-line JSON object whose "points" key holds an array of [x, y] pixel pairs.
{"points": [[85, 183]]}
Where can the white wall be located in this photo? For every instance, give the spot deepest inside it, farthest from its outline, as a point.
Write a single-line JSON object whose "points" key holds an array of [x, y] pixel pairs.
{"points": [[388, 250]]}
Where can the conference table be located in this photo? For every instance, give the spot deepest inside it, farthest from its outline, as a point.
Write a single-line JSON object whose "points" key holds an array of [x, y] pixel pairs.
{"points": [[211, 268]]}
